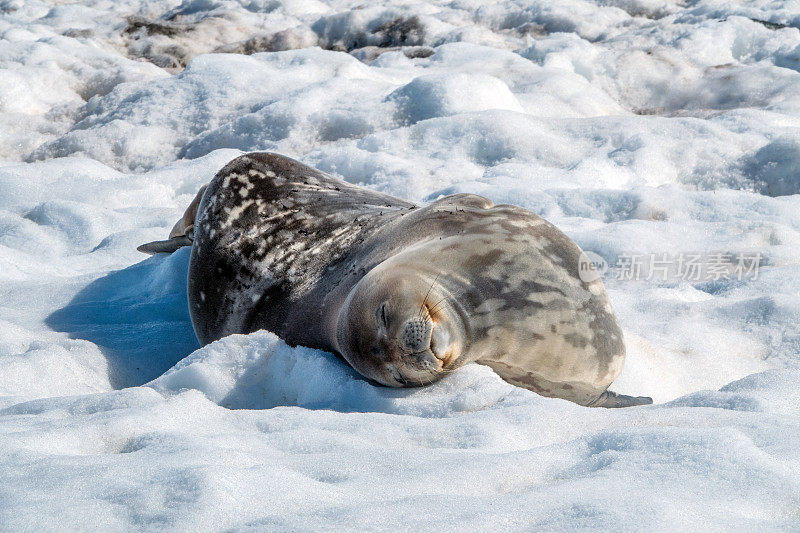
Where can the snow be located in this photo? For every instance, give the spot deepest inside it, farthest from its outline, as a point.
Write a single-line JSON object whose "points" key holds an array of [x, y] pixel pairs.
{"points": [[639, 127], [441, 96]]}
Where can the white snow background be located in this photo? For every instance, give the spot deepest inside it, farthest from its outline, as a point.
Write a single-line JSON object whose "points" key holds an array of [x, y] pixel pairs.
{"points": [[636, 126]]}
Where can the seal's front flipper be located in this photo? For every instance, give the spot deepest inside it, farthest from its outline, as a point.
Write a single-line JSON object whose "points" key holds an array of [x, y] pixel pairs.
{"points": [[612, 399], [168, 246]]}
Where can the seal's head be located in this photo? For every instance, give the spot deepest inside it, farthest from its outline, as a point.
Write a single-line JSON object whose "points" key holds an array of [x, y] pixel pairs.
{"points": [[400, 327]]}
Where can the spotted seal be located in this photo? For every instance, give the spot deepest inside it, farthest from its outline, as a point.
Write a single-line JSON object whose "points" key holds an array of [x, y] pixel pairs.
{"points": [[405, 294]]}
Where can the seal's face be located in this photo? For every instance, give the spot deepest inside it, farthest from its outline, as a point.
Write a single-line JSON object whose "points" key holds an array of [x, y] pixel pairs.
{"points": [[398, 329]]}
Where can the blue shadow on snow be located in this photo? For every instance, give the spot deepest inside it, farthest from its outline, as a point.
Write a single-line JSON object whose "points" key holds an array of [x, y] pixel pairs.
{"points": [[137, 316]]}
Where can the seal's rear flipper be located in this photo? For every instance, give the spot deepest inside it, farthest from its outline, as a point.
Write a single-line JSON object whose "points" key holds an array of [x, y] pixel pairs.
{"points": [[182, 233], [612, 399], [168, 246]]}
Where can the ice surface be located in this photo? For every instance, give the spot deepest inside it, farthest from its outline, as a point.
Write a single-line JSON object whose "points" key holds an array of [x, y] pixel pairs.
{"points": [[637, 126]]}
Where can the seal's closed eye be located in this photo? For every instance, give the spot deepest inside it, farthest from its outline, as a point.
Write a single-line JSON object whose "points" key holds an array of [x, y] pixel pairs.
{"points": [[383, 320]]}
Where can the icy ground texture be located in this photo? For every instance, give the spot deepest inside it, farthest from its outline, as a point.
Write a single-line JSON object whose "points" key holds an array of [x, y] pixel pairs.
{"points": [[636, 126]]}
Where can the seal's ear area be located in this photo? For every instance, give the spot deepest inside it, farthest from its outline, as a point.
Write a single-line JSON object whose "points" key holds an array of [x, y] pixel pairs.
{"points": [[166, 247], [612, 400]]}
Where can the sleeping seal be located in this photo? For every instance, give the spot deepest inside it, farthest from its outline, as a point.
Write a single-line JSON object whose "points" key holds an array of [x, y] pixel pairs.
{"points": [[405, 294]]}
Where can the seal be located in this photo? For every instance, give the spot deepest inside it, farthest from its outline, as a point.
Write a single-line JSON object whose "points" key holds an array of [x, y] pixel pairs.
{"points": [[404, 293]]}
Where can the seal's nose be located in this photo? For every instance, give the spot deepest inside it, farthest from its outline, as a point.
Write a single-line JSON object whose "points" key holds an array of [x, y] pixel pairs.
{"points": [[415, 336]]}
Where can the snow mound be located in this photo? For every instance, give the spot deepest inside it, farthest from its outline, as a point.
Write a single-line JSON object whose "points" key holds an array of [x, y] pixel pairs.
{"points": [[775, 168], [259, 371], [440, 96]]}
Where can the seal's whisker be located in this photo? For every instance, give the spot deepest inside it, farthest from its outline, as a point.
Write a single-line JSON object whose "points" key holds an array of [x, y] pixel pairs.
{"points": [[434, 308], [425, 300]]}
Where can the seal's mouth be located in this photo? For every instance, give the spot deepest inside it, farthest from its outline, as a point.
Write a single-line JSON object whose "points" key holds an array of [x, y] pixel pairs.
{"points": [[423, 366], [406, 375]]}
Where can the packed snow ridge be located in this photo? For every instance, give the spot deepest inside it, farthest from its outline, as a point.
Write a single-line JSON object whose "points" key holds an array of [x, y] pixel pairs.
{"points": [[648, 130]]}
